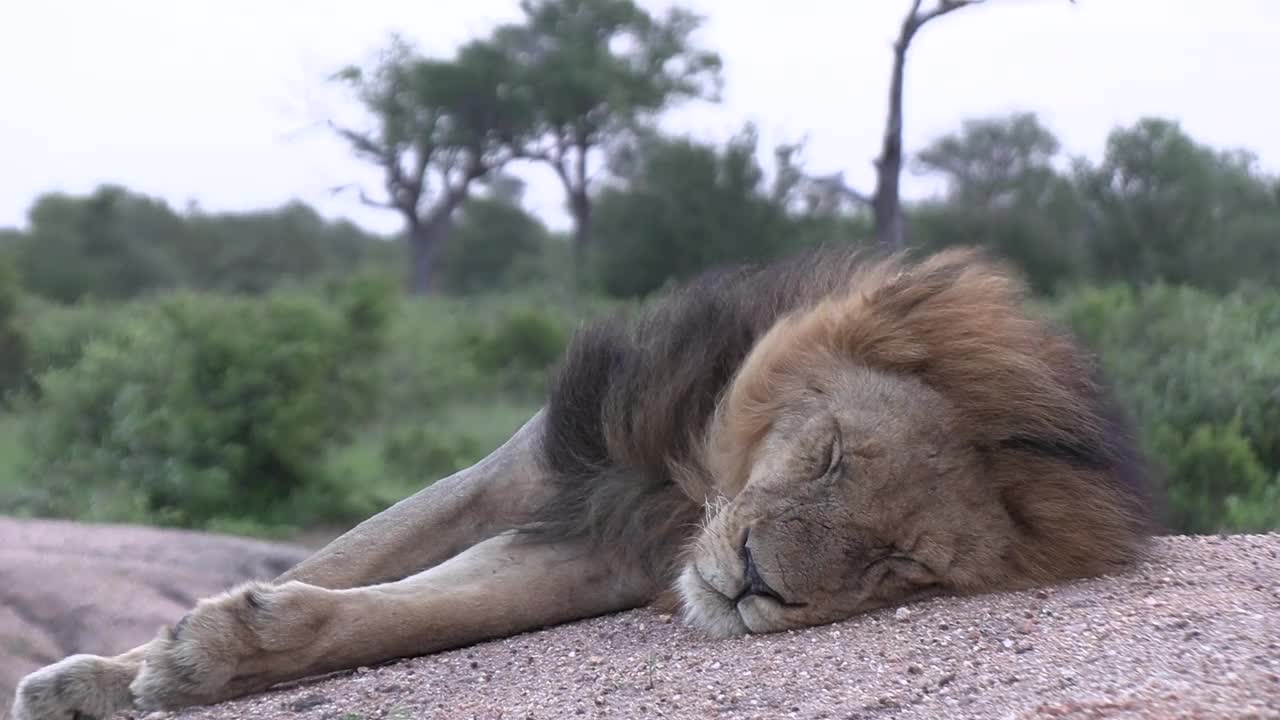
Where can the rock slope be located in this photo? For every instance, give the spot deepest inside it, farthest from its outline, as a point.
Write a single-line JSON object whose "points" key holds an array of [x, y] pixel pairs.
{"points": [[1192, 633], [70, 587]]}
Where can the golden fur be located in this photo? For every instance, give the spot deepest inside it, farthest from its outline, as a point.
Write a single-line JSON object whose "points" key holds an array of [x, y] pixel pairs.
{"points": [[946, 345], [768, 449]]}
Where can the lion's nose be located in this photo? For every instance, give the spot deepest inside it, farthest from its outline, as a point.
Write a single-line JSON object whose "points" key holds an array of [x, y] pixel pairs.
{"points": [[755, 585]]}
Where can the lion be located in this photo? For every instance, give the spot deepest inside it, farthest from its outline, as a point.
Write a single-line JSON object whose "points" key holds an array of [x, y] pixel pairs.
{"points": [[767, 448]]}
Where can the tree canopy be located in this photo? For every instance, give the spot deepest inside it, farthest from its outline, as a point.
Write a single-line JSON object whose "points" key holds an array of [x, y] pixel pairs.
{"points": [[594, 70], [438, 126]]}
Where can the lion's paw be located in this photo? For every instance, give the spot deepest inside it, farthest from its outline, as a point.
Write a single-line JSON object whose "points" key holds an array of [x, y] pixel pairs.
{"points": [[79, 687], [239, 642]]}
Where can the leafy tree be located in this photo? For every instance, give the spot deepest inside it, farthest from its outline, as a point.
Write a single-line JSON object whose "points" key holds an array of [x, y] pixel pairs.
{"points": [[593, 69], [438, 127], [992, 162], [680, 207], [255, 251], [1002, 191], [1247, 251], [11, 240], [115, 243], [495, 238], [110, 244], [1162, 206]]}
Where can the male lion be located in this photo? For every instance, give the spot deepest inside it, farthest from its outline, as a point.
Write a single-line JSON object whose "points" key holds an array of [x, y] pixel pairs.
{"points": [[765, 449]]}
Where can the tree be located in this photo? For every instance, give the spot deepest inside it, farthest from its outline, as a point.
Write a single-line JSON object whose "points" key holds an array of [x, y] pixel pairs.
{"points": [[254, 251], [680, 207], [1163, 207], [495, 236], [115, 243], [111, 244], [593, 69], [994, 162], [1003, 191], [440, 125], [886, 201]]}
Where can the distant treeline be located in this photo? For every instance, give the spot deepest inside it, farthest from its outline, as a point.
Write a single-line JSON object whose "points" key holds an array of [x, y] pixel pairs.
{"points": [[1157, 206]]}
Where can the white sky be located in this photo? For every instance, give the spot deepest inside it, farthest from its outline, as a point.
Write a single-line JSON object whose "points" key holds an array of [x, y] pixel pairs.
{"points": [[223, 101]]}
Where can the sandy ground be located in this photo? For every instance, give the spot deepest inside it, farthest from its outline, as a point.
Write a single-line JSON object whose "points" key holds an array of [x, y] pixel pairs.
{"points": [[1193, 633]]}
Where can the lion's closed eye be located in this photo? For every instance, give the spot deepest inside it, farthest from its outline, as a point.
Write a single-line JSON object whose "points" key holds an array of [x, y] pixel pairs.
{"points": [[898, 568], [835, 453]]}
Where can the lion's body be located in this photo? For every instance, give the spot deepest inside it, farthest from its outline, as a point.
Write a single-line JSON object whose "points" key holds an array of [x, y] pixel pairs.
{"points": [[768, 448]]}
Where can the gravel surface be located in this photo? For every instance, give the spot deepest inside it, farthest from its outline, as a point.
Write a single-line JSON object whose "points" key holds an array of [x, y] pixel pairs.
{"points": [[1193, 633]]}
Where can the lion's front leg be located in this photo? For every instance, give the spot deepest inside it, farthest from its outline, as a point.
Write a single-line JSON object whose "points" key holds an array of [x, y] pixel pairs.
{"points": [[83, 687], [470, 506], [261, 635], [233, 644]]}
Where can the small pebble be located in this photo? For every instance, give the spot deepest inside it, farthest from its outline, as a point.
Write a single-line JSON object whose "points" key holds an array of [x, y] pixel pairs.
{"points": [[307, 702]]}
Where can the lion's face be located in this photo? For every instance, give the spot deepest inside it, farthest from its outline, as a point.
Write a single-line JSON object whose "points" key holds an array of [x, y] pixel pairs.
{"points": [[860, 494]]}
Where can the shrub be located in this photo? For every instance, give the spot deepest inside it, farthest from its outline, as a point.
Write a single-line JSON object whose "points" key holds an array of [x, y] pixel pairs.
{"points": [[14, 351], [519, 349], [1217, 476], [59, 333], [419, 456], [1202, 375], [482, 350], [426, 367], [201, 408]]}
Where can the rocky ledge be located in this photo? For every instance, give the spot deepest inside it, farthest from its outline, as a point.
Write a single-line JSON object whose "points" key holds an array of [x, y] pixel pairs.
{"points": [[1192, 633]]}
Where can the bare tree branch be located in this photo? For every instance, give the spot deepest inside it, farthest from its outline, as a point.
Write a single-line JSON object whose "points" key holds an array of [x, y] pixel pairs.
{"points": [[364, 197], [835, 183], [943, 7], [555, 156], [361, 142]]}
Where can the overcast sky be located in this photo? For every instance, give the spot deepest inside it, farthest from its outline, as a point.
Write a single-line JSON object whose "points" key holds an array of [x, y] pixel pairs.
{"points": [[223, 101]]}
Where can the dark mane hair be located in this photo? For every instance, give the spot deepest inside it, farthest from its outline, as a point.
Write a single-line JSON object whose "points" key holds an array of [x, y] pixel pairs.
{"points": [[629, 403]]}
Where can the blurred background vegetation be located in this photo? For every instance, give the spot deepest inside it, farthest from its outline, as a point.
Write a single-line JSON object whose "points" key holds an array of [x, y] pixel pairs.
{"points": [[273, 372]]}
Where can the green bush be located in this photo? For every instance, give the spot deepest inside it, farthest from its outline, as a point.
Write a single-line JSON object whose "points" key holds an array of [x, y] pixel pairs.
{"points": [[1257, 514], [524, 338], [518, 350], [14, 352], [418, 455], [492, 349], [59, 333], [199, 409], [1215, 469], [426, 367], [1202, 375]]}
